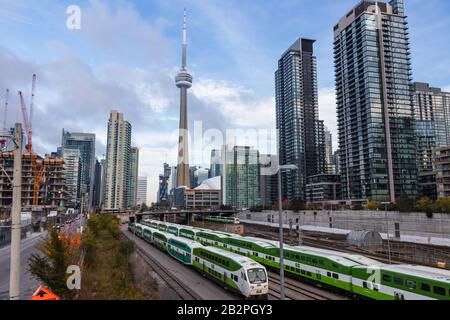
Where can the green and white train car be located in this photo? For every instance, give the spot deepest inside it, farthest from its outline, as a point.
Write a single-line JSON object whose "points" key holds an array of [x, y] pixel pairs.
{"points": [[182, 249], [219, 219], [240, 274], [401, 282], [328, 269], [352, 273]]}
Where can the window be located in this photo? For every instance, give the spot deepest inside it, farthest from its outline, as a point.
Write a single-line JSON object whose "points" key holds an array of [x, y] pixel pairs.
{"points": [[398, 281], [335, 276], [387, 278], [425, 287], [329, 274], [411, 284], [365, 285], [439, 290]]}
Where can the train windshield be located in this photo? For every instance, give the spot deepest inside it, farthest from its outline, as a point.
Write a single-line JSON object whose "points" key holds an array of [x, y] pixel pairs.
{"points": [[257, 275]]}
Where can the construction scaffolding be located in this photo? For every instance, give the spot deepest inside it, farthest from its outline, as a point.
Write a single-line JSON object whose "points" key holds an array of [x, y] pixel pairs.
{"points": [[52, 189]]}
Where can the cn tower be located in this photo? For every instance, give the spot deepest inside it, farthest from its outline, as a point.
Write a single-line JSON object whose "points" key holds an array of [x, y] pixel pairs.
{"points": [[183, 81]]}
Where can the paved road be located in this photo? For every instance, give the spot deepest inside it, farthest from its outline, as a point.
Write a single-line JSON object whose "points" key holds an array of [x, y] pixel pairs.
{"points": [[205, 288], [28, 284]]}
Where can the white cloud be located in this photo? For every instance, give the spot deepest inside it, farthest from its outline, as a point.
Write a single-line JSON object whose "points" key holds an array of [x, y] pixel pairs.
{"points": [[120, 30], [241, 106]]}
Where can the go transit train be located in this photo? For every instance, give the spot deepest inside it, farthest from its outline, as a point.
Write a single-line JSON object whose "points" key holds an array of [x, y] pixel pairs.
{"points": [[235, 272], [353, 274]]}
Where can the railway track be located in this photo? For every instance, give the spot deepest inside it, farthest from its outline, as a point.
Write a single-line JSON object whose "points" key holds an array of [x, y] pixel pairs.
{"points": [[172, 282], [297, 290]]}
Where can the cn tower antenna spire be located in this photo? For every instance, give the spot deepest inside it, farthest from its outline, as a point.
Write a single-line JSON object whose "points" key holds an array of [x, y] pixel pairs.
{"points": [[183, 61]]}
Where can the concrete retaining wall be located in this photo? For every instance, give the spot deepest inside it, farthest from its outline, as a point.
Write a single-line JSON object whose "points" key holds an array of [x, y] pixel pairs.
{"points": [[408, 223]]}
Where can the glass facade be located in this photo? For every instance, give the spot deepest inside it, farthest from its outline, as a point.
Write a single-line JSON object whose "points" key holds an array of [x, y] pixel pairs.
{"points": [[240, 180], [134, 167], [297, 114], [375, 103], [85, 143], [432, 128], [73, 173]]}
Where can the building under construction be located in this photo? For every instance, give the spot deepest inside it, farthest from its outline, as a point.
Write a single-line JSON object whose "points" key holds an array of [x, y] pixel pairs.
{"points": [[52, 193]]}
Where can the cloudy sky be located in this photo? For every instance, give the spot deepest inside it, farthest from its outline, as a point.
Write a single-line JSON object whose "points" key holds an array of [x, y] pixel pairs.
{"points": [[127, 53]]}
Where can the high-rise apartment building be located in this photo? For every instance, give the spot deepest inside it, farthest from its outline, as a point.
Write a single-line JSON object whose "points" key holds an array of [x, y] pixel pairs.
{"points": [[118, 152], [432, 129], [73, 174], [163, 190], [442, 167], [374, 103], [297, 116], [216, 164], [134, 174], [85, 142], [141, 191], [330, 165], [240, 177], [96, 185], [102, 182]]}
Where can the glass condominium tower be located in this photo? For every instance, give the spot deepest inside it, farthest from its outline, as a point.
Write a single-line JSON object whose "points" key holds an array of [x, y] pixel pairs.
{"points": [[297, 117], [240, 176], [118, 153], [375, 103]]}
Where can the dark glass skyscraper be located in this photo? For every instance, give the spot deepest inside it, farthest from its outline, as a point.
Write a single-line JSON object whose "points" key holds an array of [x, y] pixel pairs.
{"points": [[375, 103], [85, 143], [297, 114], [97, 185]]}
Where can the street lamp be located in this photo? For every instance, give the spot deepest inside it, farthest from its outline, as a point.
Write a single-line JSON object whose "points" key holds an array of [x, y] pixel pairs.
{"points": [[289, 167], [387, 229]]}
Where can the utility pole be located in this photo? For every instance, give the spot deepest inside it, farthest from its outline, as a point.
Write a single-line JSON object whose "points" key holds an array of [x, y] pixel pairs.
{"points": [[14, 280], [280, 222], [387, 230]]}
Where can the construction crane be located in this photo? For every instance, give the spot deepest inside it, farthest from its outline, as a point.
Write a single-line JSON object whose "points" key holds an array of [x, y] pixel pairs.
{"points": [[38, 174], [5, 114]]}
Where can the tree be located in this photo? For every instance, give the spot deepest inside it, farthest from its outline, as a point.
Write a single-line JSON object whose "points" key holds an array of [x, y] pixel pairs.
{"points": [[50, 267], [443, 205], [426, 205], [371, 205]]}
